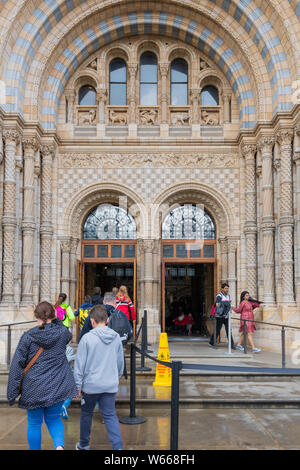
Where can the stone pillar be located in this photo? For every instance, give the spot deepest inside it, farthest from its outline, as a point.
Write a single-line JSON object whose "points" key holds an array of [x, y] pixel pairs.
{"points": [[164, 128], [73, 251], [132, 69], [1, 199], [46, 230], [195, 99], [9, 222], [267, 226], [224, 261], [297, 243], [70, 97], [232, 247], [65, 266], [30, 146], [286, 219], [101, 100], [250, 228], [226, 104]]}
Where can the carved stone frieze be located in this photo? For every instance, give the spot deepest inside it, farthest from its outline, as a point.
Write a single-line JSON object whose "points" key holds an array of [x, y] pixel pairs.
{"points": [[111, 160]]}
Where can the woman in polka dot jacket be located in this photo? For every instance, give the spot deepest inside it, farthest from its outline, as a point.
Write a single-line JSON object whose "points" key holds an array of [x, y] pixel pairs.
{"points": [[48, 382]]}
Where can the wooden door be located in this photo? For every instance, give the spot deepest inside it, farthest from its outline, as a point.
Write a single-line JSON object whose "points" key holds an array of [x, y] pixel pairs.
{"points": [[163, 297]]}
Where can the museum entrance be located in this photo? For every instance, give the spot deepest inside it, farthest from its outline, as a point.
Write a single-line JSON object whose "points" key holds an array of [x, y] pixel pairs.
{"points": [[189, 270]]}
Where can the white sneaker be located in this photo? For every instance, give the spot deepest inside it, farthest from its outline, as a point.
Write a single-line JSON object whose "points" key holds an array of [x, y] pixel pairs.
{"points": [[256, 350]]}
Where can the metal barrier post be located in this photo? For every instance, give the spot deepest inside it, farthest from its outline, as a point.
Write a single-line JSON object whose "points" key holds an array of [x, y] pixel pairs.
{"points": [[132, 419], [229, 333], [215, 331], [8, 357], [283, 358], [245, 336], [146, 332], [176, 368], [142, 367]]}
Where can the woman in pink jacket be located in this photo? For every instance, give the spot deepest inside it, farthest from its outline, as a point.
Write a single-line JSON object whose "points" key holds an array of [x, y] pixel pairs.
{"points": [[246, 310]]}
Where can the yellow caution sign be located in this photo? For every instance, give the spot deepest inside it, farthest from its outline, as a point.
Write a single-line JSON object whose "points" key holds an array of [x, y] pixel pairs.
{"points": [[163, 375]]}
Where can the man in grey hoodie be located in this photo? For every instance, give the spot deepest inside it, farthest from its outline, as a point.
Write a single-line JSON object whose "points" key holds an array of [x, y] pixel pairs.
{"points": [[98, 367]]}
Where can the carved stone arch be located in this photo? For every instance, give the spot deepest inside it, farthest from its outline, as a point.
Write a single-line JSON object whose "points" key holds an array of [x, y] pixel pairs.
{"points": [[91, 196], [186, 193], [148, 44]]}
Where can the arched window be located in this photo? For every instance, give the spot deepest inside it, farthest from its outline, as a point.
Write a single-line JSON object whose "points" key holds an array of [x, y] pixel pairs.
{"points": [[87, 95], [148, 79], [117, 82], [109, 222], [210, 96], [188, 222], [179, 82]]}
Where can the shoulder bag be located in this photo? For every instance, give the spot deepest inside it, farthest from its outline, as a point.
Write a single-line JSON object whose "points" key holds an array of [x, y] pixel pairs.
{"points": [[29, 365]]}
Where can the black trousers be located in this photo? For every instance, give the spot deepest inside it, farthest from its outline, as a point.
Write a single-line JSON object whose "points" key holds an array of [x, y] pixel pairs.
{"points": [[220, 323]]}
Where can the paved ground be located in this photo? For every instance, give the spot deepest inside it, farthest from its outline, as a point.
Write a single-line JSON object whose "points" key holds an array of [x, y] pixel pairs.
{"points": [[200, 428]]}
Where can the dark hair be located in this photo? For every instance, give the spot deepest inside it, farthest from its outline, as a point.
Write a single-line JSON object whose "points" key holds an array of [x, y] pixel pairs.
{"points": [[97, 290], [44, 311], [243, 294], [60, 300], [224, 285], [99, 314], [88, 299]]}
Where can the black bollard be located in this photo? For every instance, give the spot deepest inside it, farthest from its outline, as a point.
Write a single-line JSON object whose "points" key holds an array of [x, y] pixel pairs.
{"points": [[146, 333], [176, 368], [8, 356], [142, 367], [283, 359], [215, 331], [245, 336], [132, 419]]}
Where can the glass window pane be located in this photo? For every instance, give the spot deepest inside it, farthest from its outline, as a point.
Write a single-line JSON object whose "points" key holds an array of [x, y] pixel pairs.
{"points": [[148, 94], [209, 96], [117, 69], [188, 222], [179, 94], [195, 251], [89, 251], [208, 251], [87, 96], [148, 67], [129, 251], [168, 251], [109, 222], [116, 251], [181, 251], [179, 71], [117, 94], [102, 251]]}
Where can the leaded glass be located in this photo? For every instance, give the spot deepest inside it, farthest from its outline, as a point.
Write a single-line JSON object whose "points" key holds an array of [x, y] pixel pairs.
{"points": [[109, 222], [188, 222]]}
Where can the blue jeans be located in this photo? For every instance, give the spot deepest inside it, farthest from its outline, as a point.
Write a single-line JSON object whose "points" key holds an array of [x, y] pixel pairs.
{"points": [[108, 411], [54, 424]]}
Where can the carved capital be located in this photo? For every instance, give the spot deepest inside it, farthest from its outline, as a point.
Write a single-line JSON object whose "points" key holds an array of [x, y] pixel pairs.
{"points": [[65, 246], [48, 150], [265, 144], [296, 157], [101, 95], [164, 67], [248, 151], [11, 135], [30, 144], [285, 137], [132, 69]]}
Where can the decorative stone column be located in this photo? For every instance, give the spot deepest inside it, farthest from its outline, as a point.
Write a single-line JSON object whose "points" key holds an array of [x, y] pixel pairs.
{"points": [[250, 228], [70, 97], [9, 222], [224, 261], [164, 127], [65, 266], [268, 225], [73, 251], [46, 230], [30, 146], [226, 104], [132, 69], [297, 244], [195, 99], [1, 208], [232, 247], [101, 100], [286, 219]]}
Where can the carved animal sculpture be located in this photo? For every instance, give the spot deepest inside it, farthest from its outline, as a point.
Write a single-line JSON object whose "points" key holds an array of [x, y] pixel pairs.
{"points": [[210, 119], [88, 118], [117, 118], [148, 116], [180, 118]]}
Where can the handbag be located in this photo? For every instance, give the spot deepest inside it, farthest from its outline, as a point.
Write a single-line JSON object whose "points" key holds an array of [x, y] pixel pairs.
{"points": [[29, 365]]}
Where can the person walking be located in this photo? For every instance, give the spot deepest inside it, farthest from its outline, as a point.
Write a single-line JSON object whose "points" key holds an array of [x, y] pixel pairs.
{"points": [[83, 310], [64, 311], [222, 309], [96, 298], [48, 380], [98, 367], [246, 310]]}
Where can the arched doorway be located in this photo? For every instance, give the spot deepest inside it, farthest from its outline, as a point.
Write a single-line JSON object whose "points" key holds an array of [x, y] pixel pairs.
{"points": [[189, 265], [108, 251]]}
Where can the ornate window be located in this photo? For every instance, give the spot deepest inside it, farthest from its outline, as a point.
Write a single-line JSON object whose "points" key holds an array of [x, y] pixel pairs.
{"points": [[148, 79], [210, 96], [109, 222], [87, 96], [188, 222], [117, 82], [179, 82]]}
